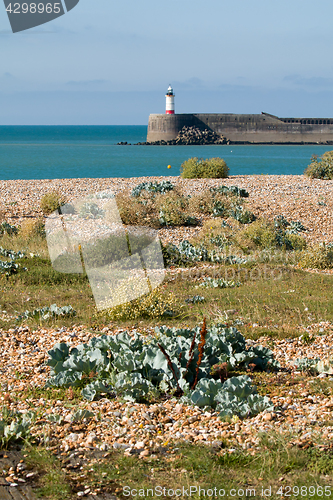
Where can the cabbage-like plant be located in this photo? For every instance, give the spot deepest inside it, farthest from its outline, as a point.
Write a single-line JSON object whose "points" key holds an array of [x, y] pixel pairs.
{"points": [[173, 361]]}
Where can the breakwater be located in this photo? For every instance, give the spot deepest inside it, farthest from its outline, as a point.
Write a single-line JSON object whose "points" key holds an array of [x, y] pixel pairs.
{"points": [[244, 129]]}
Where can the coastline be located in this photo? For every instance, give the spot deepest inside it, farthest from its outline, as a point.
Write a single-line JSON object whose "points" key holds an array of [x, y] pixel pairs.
{"points": [[296, 197]]}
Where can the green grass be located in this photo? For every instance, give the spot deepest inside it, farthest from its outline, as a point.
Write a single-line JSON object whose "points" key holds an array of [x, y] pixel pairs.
{"points": [[209, 468], [52, 483], [273, 295]]}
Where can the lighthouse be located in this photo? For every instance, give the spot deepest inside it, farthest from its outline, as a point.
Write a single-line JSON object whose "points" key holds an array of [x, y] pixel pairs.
{"points": [[170, 102]]}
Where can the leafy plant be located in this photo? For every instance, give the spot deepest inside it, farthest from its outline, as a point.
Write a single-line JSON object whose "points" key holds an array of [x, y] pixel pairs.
{"points": [[14, 426], [231, 190], [172, 362], [7, 228], [242, 215], [47, 313], [196, 299], [90, 210], [195, 168], [307, 365], [152, 187], [219, 283], [186, 253]]}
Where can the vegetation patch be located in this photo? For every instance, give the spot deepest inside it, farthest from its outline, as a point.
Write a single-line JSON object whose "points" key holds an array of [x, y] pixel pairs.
{"points": [[321, 168], [195, 168]]}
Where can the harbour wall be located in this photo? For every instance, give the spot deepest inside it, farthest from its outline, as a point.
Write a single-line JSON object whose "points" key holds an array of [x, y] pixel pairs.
{"points": [[244, 129]]}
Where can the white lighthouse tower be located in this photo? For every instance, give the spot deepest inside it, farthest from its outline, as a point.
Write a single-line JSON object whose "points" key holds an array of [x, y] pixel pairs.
{"points": [[170, 102]]}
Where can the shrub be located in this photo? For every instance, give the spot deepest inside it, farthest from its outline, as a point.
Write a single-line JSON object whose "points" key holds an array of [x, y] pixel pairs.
{"points": [[210, 203], [156, 211], [172, 210], [265, 234], [260, 233], [194, 168], [51, 201], [30, 228], [154, 305], [317, 257], [137, 211], [322, 168], [297, 242]]}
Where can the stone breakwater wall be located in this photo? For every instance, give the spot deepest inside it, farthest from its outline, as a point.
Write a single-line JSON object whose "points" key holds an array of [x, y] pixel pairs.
{"points": [[296, 197], [244, 129]]}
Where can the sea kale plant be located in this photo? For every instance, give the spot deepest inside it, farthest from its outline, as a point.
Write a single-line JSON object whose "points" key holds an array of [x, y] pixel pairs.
{"points": [[14, 426], [9, 267], [48, 312], [174, 362], [186, 253], [7, 228], [153, 187]]}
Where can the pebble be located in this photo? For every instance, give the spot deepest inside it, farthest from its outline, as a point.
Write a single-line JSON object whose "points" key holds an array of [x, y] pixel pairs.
{"points": [[295, 197]]}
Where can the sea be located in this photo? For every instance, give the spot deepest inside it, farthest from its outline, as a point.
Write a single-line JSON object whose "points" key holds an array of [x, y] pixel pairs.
{"points": [[59, 152]]}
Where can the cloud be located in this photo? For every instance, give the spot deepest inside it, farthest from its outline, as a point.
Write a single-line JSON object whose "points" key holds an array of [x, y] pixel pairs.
{"points": [[314, 82], [191, 84], [85, 83]]}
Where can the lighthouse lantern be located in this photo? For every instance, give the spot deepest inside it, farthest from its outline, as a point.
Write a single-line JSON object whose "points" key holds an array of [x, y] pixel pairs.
{"points": [[170, 102]]}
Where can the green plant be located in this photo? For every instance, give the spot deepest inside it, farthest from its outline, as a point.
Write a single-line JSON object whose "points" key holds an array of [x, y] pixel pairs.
{"points": [[186, 253], [210, 203], [47, 312], [171, 361], [317, 257], [7, 228], [242, 215], [322, 168], [30, 228], [51, 201], [14, 426], [90, 210], [231, 190], [219, 283], [196, 299], [195, 168], [152, 187], [172, 209], [153, 305]]}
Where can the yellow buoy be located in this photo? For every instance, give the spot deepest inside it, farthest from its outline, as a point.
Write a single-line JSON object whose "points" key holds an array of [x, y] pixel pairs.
{"points": [[169, 166]]}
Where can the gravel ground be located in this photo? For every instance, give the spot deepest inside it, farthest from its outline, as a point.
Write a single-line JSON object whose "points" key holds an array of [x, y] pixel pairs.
{"points": [[294, 196], [146, 431]]}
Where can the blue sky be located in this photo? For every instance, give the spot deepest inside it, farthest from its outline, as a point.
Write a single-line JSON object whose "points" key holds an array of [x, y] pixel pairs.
{"points": [[109, 62]]}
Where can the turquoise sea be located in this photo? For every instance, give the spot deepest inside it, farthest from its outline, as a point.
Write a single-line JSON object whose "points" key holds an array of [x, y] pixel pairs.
{"points": [[56, 152]]}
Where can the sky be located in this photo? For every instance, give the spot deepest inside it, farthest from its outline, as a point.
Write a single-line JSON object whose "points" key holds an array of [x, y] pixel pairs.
{"points": [[110, 63]]}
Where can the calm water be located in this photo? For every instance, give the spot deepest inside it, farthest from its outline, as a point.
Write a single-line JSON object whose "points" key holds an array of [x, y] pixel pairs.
{"points": [[30, 152]]}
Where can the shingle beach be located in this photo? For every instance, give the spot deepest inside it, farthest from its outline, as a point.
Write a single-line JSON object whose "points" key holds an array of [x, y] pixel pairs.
{"points": [[296, 197], [149, 430]]}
